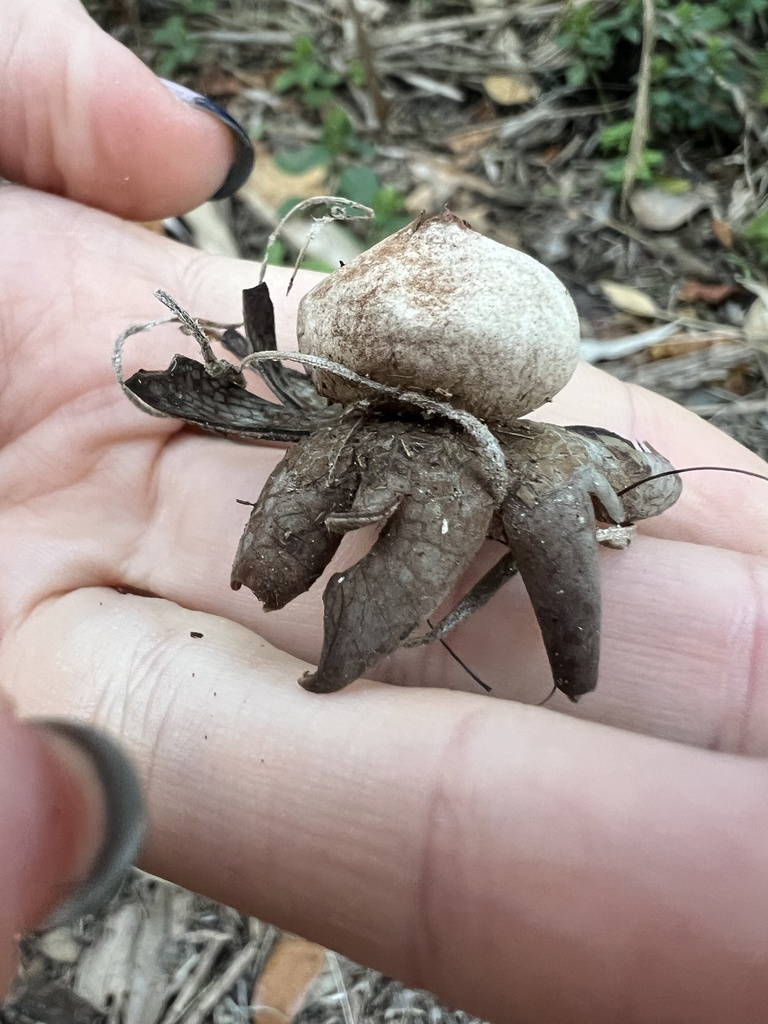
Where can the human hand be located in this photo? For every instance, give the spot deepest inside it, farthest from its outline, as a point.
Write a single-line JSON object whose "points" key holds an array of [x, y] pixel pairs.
{"points": [[519, 862], [516, 861], [83, 117], [67, 793]]}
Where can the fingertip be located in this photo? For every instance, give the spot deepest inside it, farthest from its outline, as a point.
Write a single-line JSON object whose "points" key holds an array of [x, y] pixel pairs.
{"points": [[57, 825], [93, 123], [242, 161], [116, 823]]}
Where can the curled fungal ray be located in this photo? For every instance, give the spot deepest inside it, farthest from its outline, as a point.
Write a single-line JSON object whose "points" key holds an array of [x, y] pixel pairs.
{"points": [[442, 510], [422, 485], [286, 544]]}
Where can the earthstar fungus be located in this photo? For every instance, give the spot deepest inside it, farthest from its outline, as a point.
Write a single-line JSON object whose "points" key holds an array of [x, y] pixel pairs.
{"points": [[423, 354]]}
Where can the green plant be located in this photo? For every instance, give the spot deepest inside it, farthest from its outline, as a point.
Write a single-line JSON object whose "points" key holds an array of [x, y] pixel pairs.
{"points": [[307, 73], [315, 82], [702, 55], [363, 185], [338, 142], [756, 233], [615, 139], [592, 38], [337, 139], [176, 47]]}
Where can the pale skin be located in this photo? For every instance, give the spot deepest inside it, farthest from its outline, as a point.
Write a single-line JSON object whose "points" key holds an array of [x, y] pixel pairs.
{"points": [[601, 865]]}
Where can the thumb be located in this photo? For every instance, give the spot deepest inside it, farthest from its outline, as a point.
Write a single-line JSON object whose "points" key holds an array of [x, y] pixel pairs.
{"points": [[71, 820], [83, 117]]}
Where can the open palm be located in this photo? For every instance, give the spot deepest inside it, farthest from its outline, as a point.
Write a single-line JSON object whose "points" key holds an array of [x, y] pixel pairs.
{"points": [[606, 864], [389, 823]]}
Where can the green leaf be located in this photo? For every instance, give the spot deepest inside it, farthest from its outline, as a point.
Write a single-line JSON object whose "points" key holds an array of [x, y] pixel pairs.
{"points": [[360, 184], [388, 203], [199, 6], [674, 186], [615, 138], [356, 73], [317, 98], [276, 253], [315, 263], [576, 75], [757, 230], [361, 148], [303, 50], [284, 81], [307, 74], [302, 160], [337, 130], [172, 32]]}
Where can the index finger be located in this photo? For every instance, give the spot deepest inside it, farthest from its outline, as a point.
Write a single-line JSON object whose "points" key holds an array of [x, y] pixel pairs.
{"points": [[83, 117]]}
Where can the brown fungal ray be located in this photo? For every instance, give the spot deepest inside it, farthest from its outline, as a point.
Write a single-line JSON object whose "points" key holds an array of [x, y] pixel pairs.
{"points": [[188, 392], [552, 538], [292, 387], [481, 593], [286, 545], [562, 478], [437, 527], [555, 454], [625, 464]]}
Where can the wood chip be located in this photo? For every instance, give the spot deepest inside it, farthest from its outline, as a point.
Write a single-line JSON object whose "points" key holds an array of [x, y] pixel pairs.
{"points": [[511, 90], [290, 972], [211, 229], [711, 294], [723, 232], [471, 141], [629, 299], [657, 210]]}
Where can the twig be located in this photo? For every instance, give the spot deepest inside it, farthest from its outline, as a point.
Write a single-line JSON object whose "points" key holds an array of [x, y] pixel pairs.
{"points": [[346, 1009], [218, 988], [642, 122], [206, 960], [365, 55]]}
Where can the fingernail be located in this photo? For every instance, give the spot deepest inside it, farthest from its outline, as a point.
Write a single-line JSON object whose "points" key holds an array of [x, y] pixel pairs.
{"points": [[242, 165], [93, 758]]}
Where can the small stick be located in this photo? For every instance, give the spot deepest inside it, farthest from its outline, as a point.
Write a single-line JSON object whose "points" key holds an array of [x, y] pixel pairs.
{"points": [[642, 121]]}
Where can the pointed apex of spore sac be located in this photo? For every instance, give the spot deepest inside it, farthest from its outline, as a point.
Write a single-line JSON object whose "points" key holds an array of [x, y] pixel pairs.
{"points": [[445, 218]]}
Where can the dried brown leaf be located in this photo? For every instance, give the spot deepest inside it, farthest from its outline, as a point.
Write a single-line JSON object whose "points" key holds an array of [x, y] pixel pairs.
{"points": [[723, 232], [511, 90], [629, 299], [711, 294]]}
